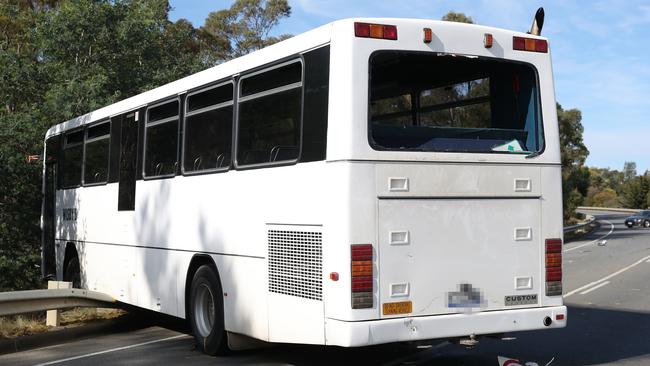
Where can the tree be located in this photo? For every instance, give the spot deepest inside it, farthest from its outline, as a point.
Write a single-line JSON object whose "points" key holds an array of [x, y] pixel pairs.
{"points": [[452, 16], [61, 59], [575, 178], [636, 192], [246, 24], [629, 170]]}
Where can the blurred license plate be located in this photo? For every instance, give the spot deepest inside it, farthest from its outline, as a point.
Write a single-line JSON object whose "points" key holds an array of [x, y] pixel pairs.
{"points": [[402, 307]]}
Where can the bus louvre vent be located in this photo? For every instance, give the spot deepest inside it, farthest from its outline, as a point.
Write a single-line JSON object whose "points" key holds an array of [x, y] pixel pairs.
{"points": [[296, 263]]}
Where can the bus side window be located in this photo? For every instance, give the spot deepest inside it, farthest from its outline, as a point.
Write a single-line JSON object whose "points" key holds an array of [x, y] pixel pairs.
{"points": [[270, 115], [72, 157], [96, 154], [161, 140], [317, 75], [208, 129]]}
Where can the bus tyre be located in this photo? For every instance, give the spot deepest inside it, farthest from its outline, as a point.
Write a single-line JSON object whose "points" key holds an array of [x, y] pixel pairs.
{"points": [[206, 312], [72, 272]]}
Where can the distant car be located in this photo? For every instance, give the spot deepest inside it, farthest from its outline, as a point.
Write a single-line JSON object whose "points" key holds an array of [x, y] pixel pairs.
{"points": [[640, 219]]}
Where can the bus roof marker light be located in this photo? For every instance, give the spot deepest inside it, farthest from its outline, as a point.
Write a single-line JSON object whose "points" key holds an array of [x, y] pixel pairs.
{"points": [[377, 31], [362, 30], [390, 32], [487, 40], [428, 35], [529, 44]]}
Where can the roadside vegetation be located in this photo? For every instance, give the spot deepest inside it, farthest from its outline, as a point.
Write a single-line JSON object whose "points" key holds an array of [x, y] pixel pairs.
{"points": [[27, 324]]}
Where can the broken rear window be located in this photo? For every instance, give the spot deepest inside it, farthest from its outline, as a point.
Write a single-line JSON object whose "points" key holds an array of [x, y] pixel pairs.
{"points": [[440, 102]]}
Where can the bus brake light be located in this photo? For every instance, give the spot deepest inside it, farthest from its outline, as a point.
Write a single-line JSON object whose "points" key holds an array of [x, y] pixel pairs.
{"points": [[553, 256], [378, 31], [362, 280], [529, 44]]}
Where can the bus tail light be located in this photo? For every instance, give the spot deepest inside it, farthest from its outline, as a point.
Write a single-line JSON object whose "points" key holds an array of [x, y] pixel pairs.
{"points": [[362, 279], [553, 267], [378, 31], [529, 44]]}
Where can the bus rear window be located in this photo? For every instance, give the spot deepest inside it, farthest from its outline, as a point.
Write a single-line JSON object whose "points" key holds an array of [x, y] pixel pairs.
{"points": [[437, 102]]}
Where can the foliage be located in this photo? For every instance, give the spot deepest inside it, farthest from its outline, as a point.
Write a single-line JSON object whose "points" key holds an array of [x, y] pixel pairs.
{"points": [[63, 58], [457, 17], [247, 24], [637, 191], [575, 177]]}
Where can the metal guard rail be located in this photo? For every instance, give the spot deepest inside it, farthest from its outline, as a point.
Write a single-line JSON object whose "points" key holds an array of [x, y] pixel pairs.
{"points": [[18, 302]]}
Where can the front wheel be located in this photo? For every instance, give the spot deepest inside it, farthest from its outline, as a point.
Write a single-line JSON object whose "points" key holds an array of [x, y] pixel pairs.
{"points": [[72, 272], [206, 312], [646, 224]]}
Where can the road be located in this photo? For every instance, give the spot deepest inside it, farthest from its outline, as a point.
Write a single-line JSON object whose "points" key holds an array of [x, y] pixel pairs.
{"points": [[606, 289]]}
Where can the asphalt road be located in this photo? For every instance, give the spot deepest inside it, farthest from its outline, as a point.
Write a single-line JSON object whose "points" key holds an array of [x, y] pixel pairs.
{"points": [[606, 289]]}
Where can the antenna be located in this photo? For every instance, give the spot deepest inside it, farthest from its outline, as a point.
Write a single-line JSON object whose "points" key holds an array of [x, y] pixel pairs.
{"points": [[538, 22]]}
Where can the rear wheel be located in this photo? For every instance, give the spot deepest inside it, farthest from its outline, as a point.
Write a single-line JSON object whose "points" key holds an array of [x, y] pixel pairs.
{"points": [[206, 312], [72, 272], [646, 224]]}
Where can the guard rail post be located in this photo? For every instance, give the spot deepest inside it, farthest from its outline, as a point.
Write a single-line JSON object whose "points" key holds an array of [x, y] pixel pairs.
{"points": [[54, 316]]}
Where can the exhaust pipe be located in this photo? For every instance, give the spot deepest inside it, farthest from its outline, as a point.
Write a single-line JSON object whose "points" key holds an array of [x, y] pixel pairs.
{"points": [[538, 23], [548, 321]]}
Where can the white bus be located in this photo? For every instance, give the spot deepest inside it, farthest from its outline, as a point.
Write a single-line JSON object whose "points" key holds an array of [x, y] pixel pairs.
{"points": [[366, 182]]}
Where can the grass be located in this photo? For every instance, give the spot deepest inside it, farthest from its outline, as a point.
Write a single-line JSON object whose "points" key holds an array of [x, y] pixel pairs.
{"points": [[21, 325]]}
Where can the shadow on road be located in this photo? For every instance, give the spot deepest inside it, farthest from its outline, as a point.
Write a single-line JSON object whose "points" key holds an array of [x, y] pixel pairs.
{"points": [[593, 336]]}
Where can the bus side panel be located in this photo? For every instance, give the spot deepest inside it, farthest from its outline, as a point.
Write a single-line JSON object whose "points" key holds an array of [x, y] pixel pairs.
{"points": [[243, 282]]}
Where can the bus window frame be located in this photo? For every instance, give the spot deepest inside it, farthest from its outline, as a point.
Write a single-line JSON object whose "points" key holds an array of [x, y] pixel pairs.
{"points": [[108, 162], [540, 112], [62, 159], [232, 102], [179, 117], [257, 71]]}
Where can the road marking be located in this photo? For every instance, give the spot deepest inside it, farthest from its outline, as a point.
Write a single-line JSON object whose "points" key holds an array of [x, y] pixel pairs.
{"points": [[593, 241], [594, 288], [648, 261], [109, 350], [608, 277]]}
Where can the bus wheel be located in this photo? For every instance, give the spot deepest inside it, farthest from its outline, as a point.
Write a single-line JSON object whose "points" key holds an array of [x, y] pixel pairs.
{"points": [[206, 312], [72, 272]]}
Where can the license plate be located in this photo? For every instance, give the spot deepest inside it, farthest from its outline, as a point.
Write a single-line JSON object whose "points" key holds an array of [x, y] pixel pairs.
{"points": [[402, 307]]}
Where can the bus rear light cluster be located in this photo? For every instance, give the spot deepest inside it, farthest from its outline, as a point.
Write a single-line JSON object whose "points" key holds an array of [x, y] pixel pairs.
{"points": [[379, 31], [529, 44], [362, 281], [553, 267]]}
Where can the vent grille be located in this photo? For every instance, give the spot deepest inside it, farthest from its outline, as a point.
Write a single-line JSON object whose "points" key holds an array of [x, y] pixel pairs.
{"points": [[295, 263]]}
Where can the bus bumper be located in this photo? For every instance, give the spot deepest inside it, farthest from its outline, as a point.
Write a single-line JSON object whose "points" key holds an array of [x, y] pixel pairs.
{"points": [[363, 333]]}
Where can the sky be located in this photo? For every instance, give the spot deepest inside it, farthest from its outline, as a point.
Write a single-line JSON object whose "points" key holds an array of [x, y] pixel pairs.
{"points": [[600, 52]]}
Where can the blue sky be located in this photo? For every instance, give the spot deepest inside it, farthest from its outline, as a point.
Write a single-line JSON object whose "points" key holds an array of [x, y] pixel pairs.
{"points": [[601, 55]]}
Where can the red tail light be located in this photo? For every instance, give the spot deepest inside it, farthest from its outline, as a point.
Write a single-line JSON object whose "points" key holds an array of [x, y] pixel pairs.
{"points": [[362, 279], [529, 44], [379, 31], [553, 267]]}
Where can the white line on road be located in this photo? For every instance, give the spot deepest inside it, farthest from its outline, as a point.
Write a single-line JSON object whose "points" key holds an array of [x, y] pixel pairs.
{"points": [[594, 288], [648, 261], [608, 277], [593, 241], [109, 350]]}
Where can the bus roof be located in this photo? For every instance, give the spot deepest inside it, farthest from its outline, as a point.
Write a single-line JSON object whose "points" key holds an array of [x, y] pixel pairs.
{"points": [[297, 44]]}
